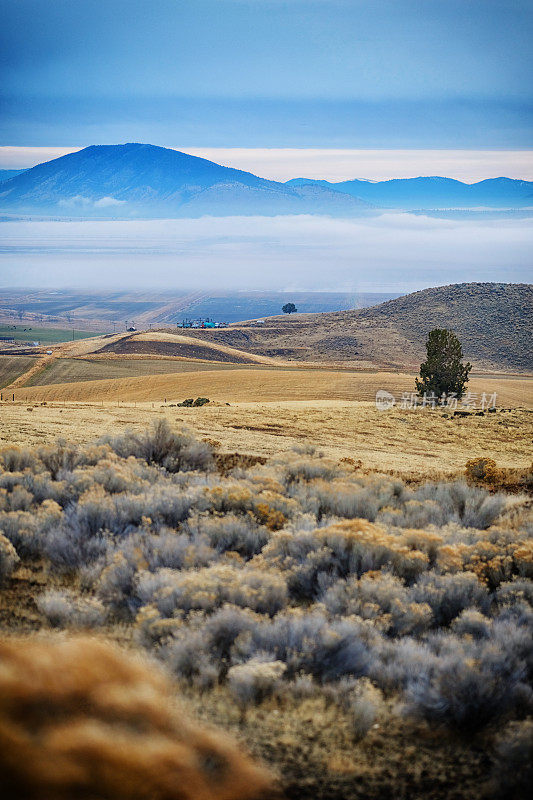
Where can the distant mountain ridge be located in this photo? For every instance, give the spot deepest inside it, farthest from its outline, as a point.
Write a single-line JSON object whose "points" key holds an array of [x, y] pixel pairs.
{"points": [[412, 194], [134, 180]]}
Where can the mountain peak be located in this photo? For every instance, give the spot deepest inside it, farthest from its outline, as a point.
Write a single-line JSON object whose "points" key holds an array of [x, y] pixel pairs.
{"points": [[136, 179]]}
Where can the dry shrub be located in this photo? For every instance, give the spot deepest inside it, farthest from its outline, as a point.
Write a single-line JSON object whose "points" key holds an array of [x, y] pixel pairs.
{"points": [[255, 681], [8, 559], [483, 470], [64, 609], [80, 718], [272, 519]]}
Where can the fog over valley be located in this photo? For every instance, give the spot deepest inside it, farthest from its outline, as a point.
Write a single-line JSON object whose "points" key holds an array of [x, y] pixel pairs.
{"points": [[387, 252]]}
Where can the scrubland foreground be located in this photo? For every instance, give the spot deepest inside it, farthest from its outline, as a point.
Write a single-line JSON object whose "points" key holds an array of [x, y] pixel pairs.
{"points": [[364, 638]]}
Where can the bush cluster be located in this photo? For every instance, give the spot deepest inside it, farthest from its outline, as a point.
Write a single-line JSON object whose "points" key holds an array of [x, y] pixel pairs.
{"points": [[295, 576]]}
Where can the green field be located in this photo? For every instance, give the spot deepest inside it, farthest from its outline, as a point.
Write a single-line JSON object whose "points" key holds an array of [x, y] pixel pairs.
{"points": [[13, 366], [25, 333]]}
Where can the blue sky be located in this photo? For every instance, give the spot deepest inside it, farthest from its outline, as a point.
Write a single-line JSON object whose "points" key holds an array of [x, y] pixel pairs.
{"points": [[268, 73]]}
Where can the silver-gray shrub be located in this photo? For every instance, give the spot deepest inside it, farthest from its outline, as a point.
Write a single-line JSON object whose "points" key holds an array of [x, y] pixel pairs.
{"points": [[472, 622], [174, 450], [59, 457], [21, 528], [19, 499], [209, 588], [331, 500], [310, 643], [308, 469], [385, 599], [448, 595], [8, 559], [256, 680], [470, 684], [519, 590], [16, 459], [470, 506], [42, 487], [172, 550], [399, 662], [69, 546], [63, 609], [240, 533]]}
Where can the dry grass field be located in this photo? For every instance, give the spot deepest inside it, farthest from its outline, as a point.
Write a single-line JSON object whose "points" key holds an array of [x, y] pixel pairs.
{"points": [[422, 442], [13, 366], [251, 385], [73, 370]]}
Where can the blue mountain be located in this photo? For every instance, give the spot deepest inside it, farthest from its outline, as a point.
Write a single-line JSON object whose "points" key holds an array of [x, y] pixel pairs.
{"points": [[145, 180], [9, 173], [432, 192]]}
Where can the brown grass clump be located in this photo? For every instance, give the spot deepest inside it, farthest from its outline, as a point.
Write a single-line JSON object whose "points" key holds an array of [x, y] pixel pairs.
{"points": [[482, 469], [273, 519], [485, 472], [79, 718]]}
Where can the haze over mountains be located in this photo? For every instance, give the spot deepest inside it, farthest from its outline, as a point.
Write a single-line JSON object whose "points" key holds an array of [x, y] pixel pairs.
{"points": [[144, 180], [433, 192]]}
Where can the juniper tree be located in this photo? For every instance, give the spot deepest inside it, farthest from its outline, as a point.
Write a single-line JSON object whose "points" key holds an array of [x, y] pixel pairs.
{"points": [[289, 308], [443, 371]]}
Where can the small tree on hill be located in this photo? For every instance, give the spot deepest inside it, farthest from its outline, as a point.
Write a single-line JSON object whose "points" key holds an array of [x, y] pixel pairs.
{"points": [[289, 308], [443, 371]]}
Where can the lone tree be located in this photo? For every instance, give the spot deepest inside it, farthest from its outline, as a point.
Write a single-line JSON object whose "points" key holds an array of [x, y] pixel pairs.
{"points": [[443, 371], [289, 308]]}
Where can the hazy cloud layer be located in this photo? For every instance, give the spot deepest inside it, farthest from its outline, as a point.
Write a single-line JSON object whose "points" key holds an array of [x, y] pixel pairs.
{"points": [[391, 252], [331, 164]]}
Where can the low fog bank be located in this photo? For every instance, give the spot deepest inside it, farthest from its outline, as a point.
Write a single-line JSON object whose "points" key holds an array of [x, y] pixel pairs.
{"points": [[390, 252]]}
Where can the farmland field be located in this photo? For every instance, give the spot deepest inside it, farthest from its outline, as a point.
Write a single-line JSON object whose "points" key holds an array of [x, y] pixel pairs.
{"points": [[13, 366], [23, 333], [72, 370], [256, 384]]}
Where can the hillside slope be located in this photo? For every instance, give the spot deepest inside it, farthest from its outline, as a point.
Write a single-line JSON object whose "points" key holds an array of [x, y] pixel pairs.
{"points": [[492, 320]]}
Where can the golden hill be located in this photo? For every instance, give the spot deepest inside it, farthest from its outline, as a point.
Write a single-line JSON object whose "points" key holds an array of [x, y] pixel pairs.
{"points": [[492, 320]]}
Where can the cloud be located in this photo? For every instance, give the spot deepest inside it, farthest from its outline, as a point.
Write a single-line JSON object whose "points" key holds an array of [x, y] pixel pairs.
{"points": [[344, 164], [108, 202], [391, 252], [283, 163]]}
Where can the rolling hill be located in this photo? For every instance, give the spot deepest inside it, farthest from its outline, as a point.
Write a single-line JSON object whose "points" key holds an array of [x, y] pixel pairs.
{"points": [[433, 192], [142, 179], [492, 320]]}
